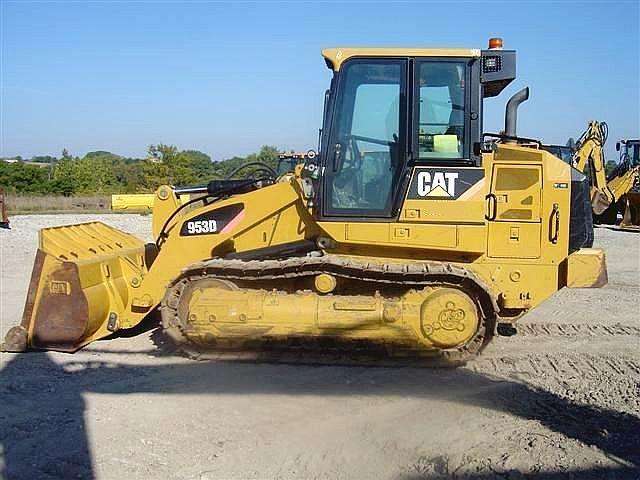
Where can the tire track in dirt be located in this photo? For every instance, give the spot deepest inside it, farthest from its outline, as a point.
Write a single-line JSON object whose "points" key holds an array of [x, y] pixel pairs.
{"points": [[575, 330], [558, 365]]}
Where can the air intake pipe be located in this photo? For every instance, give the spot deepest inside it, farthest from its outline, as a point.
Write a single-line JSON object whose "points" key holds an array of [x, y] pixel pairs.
{"points": [[511, 113]]}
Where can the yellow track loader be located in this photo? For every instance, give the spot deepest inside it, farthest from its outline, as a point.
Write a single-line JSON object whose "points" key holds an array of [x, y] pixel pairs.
{"points": [[410, 229]]}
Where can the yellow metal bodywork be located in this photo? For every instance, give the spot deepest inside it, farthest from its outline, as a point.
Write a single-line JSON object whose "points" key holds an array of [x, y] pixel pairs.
{"points": [[631, 214], [137, 202], [624, 188], [625, 183], [590, 153], [272, 216], [621, 184], [82, 277], [437, 318], [337, 56], [586, 269], [515, 254], [520, 254]]}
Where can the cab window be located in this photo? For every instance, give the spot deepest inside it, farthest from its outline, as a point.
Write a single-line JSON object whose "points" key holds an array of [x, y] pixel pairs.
{"points": [[441, 110]]}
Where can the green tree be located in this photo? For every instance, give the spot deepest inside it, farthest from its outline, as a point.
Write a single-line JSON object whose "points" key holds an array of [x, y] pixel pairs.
{"points": [[21, 178], [162, 153], [104, 172], [200, 163], [44, 159], [269, 155]]}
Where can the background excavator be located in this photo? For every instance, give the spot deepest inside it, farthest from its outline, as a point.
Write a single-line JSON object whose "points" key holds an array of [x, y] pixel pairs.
{"points": [[589, 158], [613, 193], [410, 229], [624, 181]]}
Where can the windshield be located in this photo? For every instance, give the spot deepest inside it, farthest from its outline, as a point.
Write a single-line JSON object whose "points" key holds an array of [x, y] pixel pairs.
{"points": [[562, 152], [633, 152]]}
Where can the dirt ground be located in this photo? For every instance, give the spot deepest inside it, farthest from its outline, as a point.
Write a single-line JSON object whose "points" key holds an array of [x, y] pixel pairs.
{"points": [[559, 400]]}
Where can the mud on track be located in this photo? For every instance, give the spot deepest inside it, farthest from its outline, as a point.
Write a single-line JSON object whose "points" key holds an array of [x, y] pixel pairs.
{"points": [[559, 400]]}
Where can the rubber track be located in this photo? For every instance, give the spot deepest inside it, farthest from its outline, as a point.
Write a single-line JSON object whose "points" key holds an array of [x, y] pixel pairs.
{"points": [[418, 275]]}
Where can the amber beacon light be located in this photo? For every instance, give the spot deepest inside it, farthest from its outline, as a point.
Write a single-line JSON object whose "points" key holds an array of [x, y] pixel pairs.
{"points": [[495, 43]]}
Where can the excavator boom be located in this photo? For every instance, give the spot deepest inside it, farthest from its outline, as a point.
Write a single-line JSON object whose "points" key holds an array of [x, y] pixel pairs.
{"points": [[590, 154]]}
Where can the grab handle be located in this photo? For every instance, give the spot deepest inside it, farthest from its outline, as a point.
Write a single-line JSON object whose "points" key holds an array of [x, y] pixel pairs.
{"points": [[492, 207], [554, 224]]}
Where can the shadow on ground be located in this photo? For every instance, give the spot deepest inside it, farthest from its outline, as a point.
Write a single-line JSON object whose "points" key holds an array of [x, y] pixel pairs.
{"points": [[42, 410]]}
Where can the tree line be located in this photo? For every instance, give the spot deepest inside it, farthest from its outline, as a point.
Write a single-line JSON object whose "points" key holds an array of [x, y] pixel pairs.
{"points": [[103, 172]]}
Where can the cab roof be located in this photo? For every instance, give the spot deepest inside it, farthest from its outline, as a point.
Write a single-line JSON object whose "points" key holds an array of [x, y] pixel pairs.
{"points": [[336, 56]]}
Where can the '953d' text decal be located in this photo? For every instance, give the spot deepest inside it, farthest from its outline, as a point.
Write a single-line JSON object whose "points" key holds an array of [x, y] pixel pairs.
{"points": [[443, 183], [213, 221]]}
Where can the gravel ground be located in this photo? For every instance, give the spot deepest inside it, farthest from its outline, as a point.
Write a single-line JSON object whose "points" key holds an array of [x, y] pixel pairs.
{"points": [[559, 400]]}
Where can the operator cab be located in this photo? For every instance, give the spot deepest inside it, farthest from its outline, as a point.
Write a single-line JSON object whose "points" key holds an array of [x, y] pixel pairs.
{"points": [[388, 110], [563, 152], [629, 151]]}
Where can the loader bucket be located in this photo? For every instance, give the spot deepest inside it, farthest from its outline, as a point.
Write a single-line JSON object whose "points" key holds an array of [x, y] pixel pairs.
{"points": [[599, 202], [631, 214], [80, 286]]}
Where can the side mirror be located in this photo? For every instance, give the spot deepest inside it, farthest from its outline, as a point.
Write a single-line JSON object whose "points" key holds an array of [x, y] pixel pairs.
{"points": [[617, 146]]}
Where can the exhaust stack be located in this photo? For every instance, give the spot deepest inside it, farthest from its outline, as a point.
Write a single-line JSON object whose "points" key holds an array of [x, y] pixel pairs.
{"points": [[511, 113]]}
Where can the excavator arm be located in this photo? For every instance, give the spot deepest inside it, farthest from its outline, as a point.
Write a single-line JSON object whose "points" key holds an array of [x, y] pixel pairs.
{"points": [[590, 154]]}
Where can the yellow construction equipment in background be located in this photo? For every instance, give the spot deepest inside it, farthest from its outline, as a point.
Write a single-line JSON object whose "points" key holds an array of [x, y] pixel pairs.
{"points": [[617, 192], [143, 202], [136, 202], [590, 155], [624, 181], [410, 229]]}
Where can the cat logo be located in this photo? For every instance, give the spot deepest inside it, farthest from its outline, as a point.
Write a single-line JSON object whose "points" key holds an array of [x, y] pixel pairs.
{"points": [[446, 183], [437, 184]]}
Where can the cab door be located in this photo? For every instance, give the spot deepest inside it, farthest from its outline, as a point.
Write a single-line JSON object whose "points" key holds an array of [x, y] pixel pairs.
{"points": [[367, 146], [514, 211]]}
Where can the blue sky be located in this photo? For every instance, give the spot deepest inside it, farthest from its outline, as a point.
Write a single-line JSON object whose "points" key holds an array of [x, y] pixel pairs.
{"points": [[226, 78]]}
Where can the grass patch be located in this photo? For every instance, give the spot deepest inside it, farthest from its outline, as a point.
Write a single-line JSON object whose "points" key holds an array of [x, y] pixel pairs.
{"points": [[25, 204]]}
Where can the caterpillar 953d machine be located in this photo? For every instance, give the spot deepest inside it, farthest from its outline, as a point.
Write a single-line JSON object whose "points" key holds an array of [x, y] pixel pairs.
{"points": [[409, 229]]}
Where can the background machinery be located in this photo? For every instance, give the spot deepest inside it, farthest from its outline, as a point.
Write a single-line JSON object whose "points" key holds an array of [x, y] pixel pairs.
{"points": [[613, 193], [563, 152], [287, 161], [410, 229], [4, 218], [624, 181], [589, 158]]}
